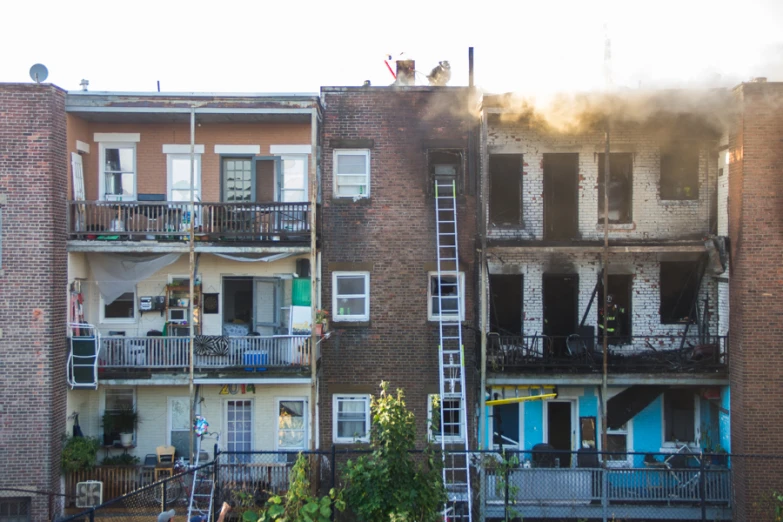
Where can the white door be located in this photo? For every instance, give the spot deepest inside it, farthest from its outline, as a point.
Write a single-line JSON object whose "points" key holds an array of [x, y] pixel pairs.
{"points": [[239, 428], [267, 306], [292, 183], [179, 425], [78, 176], [179, 177]]}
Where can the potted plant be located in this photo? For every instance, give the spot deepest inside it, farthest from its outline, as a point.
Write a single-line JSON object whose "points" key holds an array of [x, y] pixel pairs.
{"points": [[321, 322], [79, 453], [123, 422]]}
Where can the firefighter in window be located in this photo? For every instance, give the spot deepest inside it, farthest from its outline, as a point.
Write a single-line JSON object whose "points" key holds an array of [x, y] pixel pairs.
{"points": [[614, 316]]}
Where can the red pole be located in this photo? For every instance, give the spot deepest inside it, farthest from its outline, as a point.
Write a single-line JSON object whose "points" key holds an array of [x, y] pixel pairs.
{"points": [[390, 69]]}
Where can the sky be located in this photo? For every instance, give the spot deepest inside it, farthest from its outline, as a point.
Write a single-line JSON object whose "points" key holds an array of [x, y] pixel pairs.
{"points": [[535, 48]]}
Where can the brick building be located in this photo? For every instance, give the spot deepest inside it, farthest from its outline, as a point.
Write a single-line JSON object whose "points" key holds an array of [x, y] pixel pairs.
{"points": [[33, 184], [755, 201], [379, 239]]}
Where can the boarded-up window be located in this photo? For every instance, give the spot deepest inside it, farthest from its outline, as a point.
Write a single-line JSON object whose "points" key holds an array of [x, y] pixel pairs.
{"points": [[680, 171], [620, 187], [505, 189]]}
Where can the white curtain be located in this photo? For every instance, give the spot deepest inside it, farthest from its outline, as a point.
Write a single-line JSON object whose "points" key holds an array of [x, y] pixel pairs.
{"points": [[117, 274]]}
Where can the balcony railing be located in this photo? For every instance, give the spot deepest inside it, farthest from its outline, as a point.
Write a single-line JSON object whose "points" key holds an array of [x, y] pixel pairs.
{"points": [[210, 353], [629, 354], [170, 220]]}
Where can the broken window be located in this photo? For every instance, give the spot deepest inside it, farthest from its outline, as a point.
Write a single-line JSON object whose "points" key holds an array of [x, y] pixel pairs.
{"points": [[505, 307], [618, 319], [679, 285], [680, 171], [679, 416], [620, 187], [445, 166], [505, 189]]}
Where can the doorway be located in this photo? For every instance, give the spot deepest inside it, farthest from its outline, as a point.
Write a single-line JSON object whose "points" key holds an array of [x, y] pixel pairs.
{"points": [[505, 307], [561, 294], [621, 297], [561, 202], [560, 429], [252, 305]]}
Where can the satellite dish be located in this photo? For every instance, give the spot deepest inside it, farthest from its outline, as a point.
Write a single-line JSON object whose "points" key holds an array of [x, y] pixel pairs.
{"points": [[39, 73]]}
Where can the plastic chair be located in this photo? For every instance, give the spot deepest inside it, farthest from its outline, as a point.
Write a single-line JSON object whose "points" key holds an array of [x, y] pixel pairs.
{"points": [[165, 460]]}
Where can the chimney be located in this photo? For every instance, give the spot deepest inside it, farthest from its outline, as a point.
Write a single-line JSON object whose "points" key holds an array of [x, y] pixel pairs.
{"points": [[759, 79], [405, 70]]}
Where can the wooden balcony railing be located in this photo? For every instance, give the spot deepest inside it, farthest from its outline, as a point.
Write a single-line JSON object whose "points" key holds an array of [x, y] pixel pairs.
{"points": [[172, 353], [628, 354], [170, 220]]}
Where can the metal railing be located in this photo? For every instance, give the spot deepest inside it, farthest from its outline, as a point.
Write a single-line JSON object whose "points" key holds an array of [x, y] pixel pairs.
{"points": [[627, 354], [251, 352], [170, 220]]}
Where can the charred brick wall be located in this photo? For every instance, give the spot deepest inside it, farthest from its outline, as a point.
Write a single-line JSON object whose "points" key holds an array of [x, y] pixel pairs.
{"points": [[33, 182], [391, 234], [756, 290]]}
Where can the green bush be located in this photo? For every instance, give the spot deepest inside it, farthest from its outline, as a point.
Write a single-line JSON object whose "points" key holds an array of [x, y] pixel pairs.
{"points": [[121, 460], [79, 453]]}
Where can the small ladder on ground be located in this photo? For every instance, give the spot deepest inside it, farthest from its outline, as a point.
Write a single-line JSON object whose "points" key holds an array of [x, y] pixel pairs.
{"points": [[451, 355], [202, 491]]}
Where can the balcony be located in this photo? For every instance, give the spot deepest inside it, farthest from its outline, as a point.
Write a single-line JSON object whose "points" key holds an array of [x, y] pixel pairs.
{"points": [[170, 221], [631, 354], [119, 354]]}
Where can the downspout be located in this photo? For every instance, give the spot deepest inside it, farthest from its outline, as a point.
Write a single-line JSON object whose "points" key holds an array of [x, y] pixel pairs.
{"points": [[483, 426], [192, 266], [604, 376], [313, 182]]}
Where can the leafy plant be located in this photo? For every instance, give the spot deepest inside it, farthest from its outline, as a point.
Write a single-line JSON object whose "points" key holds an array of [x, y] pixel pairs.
{"points": [[79, 453], [121, 460], [389, 484], [124, 420], [510, 490], [777, 498], [298, 505]]}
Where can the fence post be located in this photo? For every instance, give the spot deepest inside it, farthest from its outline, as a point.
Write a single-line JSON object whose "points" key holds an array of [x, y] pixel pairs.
{"points": [[505, 487], [92, 515], [605, 492], [703, 488]]}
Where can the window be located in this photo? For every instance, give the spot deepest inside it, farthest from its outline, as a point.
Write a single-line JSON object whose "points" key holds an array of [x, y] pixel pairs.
{"points": [[180, 424], [505, 189], [618, 320], [445, 167], [238, 180], [505, 305], [351, 296], [451, 411], [351, 173], [680, 416], [118, 171], [351, 418], [121, 310], [620, 187], [680, 171], [452, 296], [15, 510], [239, 429], [291, 426], [293, 185], [179, 177], [679, 286], [617, 445], [117, 400]]}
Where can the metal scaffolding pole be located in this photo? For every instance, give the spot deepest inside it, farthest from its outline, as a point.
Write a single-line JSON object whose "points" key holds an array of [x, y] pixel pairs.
{"points": [[605, 262], [192, 266]]}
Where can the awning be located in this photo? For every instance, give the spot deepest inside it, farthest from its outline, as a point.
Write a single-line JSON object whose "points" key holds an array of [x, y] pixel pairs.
{"points": [[117, 274], [628, 403]]}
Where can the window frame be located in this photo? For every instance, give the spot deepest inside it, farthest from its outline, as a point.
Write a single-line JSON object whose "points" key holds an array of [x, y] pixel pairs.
{"points": [[244, 459], [336, 398], [280, 188], [627, 431], [601, 186], [22, 504], [103, 408], [696, 425], [305, 426], [669, 320], [170, 157], [119, 320], [439, 437], [671, 150], [335, 296], [103, 145], [335, 162], [430, 296]]}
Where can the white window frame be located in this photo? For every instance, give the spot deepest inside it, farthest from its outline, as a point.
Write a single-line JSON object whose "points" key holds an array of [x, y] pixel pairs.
{"points": [[253, 433], [102, 406], [430, 296], [304, 417], [281, 182], [169, 424], [103, 145], [440, 438], [336, 398], [196, 174], [667, 446], [628, 432], [336, 175], [117, 320], [335, 309]]}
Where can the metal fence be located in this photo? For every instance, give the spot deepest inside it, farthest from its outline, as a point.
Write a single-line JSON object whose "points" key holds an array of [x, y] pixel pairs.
{"points": [[512, 485]]}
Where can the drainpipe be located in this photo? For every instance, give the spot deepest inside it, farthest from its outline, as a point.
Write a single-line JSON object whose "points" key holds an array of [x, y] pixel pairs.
{"points": [[485, 437], [313, 182], [192, 266], [604, 377]]}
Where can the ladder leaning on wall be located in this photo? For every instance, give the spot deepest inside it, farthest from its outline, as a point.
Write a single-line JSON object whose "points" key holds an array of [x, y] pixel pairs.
{"points": [[451, 355]]}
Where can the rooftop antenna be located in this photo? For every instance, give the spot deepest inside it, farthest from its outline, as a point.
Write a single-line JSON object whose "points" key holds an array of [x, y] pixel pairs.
{"points": [[39, 73], [84, 84]]}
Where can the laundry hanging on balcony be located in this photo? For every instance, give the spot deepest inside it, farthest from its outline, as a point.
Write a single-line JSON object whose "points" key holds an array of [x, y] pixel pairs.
{"points": [[117, 274]]}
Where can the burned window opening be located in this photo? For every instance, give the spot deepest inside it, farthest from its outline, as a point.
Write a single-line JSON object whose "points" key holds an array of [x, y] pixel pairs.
{"points": [[561, 196], [505, 189], [620, 187], [679, 285], [445, 165], [679, 413], [505, 305], [618, 318], [680, 171]]}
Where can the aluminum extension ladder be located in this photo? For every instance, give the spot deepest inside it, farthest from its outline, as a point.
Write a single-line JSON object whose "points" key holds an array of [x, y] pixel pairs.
{"points": [[202, 493], [451, 355]]}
